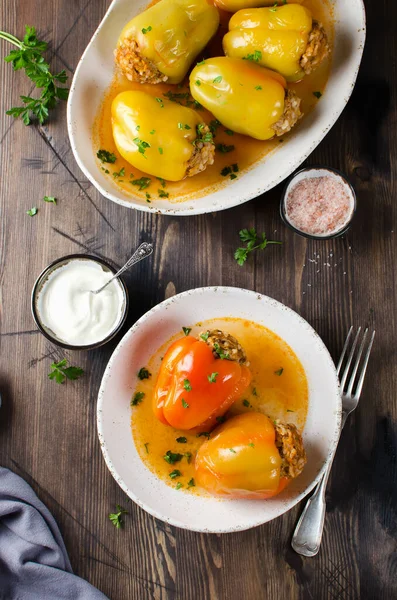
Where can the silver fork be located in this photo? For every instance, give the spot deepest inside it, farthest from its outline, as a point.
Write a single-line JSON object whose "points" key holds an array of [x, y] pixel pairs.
{"points": [[309, 530]]}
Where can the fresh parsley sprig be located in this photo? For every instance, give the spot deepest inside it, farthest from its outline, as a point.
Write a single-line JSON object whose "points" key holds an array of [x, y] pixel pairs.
{"points": [[60, 372], [29, 56], [116, 519], [253, 241]]}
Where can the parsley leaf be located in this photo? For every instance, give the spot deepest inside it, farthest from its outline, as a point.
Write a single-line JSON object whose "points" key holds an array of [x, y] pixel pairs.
{"points": [[175, 473], [106, 157], [50, 199], [212, 377], [222, 355], [172, 457], [116, 519], [279, 372], [60, 372], [224, 148], [181, 440], [191, 483], [220, 419], [162, 193], [317, 94], [184, 403], [142, 145], [29, 56], [142, 183], [218, 79], [204, 336], [145, 30], [247, 404], [205, 434], [143, 373], [186, 330], [137, 399], [253, 242], [147, 447], [179, 485], [254, 57], [232, 450], [187, 385], [32, 211]]}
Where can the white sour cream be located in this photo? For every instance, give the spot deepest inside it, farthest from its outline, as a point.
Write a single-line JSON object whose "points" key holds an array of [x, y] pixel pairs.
{"points": [[74, 315]]}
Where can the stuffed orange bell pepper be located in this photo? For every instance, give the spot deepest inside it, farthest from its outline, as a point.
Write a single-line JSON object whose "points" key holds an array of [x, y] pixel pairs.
{"points": [[199, 380], [245, 97], [160, 137], [235, 5], [161, 43], [249, 457], [285, 39]]}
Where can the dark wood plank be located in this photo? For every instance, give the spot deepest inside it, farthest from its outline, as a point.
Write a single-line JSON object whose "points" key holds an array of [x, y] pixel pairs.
{"points": [[48, 432]]}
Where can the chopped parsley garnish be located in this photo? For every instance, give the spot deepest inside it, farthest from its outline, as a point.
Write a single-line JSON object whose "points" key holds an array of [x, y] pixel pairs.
{"points": [[182, 98], [162, 181], [60, 372], [191, 483], [147, 447], [175, 473], [274, 8], [230, 170], [161, 150], [232, 450], [172, 457], [217, 79], [186, 126], [143, 373], [258, 87], [254, 392], [205, 434], [279, 372], [203, 136], [138, 127], [162, 193], [159, 100], [146, 30], [205, 336], [178, 486], [214, 124], [317, 94], [137, 399], [186, 330], [212, 377], [188, 456], [251, 444], [152, 132], [142, 145], [247, 404], [106, 157], [222, 355], [254, 57], [148, 196], [187, 385], [253, 242], [32, 211], [51, 199], [181, 440], [115, 518], [202, 62], [224, 148], [184, 403], [118, 174], [142, 183], [220, 419], [229, 132], [180, 125], [289, 410], [197, 82]]}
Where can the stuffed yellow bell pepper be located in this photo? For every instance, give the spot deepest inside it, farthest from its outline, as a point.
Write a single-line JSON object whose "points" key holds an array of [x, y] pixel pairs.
{"points": [[161, 43], [250, 457], [235, 5], [285, 39], [160, 137], [244, 97]]}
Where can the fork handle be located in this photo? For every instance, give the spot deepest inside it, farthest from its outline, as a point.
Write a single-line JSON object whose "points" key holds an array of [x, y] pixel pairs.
{"points": [[309, 530]]}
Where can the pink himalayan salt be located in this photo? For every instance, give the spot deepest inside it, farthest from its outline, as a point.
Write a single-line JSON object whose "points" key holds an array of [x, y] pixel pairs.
{"points": [[319, 205]]}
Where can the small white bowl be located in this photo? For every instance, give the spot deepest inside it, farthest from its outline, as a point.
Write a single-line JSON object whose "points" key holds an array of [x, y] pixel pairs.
{"points": [[207, 514], [94, 74]]}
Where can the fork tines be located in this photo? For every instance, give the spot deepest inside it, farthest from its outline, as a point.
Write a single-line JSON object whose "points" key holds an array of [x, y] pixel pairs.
{"points": [[352, 343]]}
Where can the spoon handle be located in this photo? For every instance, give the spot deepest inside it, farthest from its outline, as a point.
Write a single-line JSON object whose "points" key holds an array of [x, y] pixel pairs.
{"points": [[144, 250]]}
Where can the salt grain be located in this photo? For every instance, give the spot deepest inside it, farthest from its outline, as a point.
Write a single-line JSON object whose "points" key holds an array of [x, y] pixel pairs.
{"points": [[319, 205]]}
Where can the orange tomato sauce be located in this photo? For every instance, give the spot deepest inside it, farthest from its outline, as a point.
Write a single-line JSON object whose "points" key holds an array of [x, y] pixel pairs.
{"points": [[279, 389], [247, 152]]}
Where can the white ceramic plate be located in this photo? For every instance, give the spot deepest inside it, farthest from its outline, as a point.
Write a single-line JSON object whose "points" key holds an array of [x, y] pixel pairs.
{"points": [[95, 72], [141, 342]]}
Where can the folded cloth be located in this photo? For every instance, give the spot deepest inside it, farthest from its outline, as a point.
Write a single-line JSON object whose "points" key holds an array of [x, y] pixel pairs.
{"points": [[34, 564]]}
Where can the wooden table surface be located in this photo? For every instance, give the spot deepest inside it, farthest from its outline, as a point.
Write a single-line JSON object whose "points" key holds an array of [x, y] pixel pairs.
{"points": [[48, 432]]}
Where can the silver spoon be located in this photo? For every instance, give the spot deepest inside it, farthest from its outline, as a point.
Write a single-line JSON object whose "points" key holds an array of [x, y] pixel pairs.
{"points": [[142, 252]]}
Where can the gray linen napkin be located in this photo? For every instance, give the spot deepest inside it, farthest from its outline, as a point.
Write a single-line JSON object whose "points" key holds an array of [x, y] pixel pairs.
{"points": [[34, 564]]}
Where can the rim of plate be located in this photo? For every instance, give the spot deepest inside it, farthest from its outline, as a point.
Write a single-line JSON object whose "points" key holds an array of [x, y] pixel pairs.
{"points": [[196, 291], [231, 200]]}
